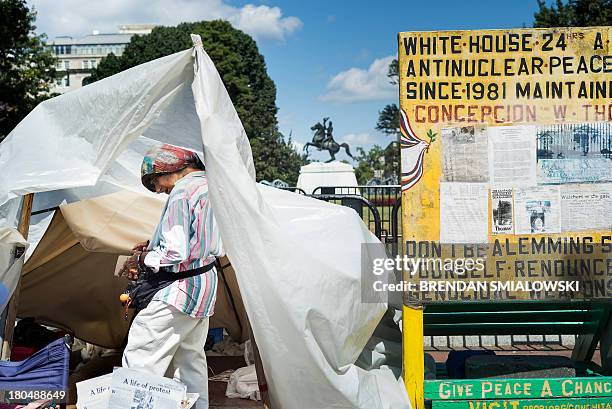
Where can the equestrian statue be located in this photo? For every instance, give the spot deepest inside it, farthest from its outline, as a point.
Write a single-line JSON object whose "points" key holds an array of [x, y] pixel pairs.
{"points": [[323, 140]]}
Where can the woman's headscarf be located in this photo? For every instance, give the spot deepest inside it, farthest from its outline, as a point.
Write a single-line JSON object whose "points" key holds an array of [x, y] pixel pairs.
{"points": [[166, 159]]}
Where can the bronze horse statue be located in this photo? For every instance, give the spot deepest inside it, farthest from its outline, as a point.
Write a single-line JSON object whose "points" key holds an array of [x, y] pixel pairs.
{"points": [[323, 139]]}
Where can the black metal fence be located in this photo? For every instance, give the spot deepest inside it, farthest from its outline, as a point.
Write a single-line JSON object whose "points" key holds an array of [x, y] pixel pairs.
{"points": [[360, 205], [378, 206], [384, 198], [294, 189]]}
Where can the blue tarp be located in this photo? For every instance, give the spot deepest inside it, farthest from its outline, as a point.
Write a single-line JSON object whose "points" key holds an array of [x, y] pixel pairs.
{"points": [[47, 369]]}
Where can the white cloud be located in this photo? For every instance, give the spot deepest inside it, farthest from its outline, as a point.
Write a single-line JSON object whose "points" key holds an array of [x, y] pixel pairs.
{"points": [[358, 139], [298, 146], [265, 22], [76, 17], [357, 84]]}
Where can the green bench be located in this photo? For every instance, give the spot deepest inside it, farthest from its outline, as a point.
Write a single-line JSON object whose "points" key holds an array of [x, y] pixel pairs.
{"points": [[591, 321], [516, 317]]}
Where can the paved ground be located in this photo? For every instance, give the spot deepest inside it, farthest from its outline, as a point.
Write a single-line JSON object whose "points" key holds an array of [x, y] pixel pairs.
{"points": [[216, 390], [220, 364]]}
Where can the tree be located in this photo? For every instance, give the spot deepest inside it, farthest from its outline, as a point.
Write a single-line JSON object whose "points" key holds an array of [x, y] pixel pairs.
{"points": [[243, 71], [388, 123], [276, 158], [27, 68], [377, 162], [388, 120], [574, 13]]}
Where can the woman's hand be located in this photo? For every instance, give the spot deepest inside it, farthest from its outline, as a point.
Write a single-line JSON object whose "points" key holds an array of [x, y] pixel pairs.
{"points": [[130, 267], [141, 246]]}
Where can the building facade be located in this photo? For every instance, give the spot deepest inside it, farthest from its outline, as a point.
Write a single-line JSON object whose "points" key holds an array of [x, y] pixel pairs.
{"points": [[77, 57]]}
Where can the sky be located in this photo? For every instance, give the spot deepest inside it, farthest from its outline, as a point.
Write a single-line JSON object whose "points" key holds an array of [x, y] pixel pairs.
{"points": [[327, 58]]}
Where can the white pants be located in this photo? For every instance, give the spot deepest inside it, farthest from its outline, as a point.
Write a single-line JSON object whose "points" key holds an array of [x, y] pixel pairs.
{"points": [[164, 341]]}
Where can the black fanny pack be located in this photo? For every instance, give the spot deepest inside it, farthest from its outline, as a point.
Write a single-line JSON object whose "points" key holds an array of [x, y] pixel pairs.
{"points": [[141, 291]]}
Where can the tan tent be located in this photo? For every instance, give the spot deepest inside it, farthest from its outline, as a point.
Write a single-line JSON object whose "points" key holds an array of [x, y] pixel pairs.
{"points": [[69, 280]]}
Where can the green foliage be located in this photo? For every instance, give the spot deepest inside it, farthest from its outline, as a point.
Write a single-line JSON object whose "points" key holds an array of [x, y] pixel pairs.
{"points": [[377, 158], [243, 71], [282, 162], [574, 13], [393, 72], [387, 123], [27, 68], [109, 65], [388, 120], [431, 135]]}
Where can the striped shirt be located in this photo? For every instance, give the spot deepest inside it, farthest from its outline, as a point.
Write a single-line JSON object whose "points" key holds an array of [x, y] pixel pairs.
{"points": [[186, 238]]}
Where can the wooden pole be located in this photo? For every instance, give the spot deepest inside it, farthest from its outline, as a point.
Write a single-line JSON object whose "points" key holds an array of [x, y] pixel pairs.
{"points": [[9, 324], [414, 355], [261, 376]]}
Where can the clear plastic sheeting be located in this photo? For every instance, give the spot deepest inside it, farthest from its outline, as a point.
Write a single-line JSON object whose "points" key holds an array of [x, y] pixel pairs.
{"points": [[10, 267], [122, 173], [297, 259], [70, 140], [9, 213]]}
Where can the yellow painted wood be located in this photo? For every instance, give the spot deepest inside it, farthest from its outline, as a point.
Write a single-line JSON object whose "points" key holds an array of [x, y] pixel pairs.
{"points": [[428, 115], [414, 355], [422, 221]]}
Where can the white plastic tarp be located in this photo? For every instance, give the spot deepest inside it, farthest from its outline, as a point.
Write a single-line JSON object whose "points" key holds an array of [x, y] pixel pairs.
{"points": [[10, 262], [297, 259], [72, 139]]}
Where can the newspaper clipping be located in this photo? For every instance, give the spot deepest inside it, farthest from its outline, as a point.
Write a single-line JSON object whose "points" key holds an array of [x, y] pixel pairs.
{"points": [[502, 221], [537, 210], [94, 393], [465, 154], [140, 390], [512, 155], [573, 153], [463, 212], [586, 207]]}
